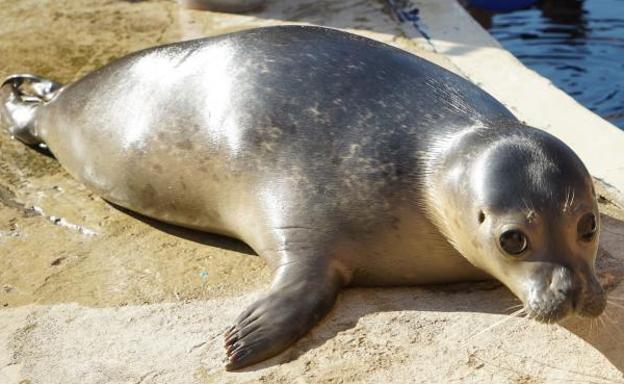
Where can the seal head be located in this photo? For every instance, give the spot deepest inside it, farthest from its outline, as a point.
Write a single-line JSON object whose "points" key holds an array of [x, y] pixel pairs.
{"points": [[520, 205]]}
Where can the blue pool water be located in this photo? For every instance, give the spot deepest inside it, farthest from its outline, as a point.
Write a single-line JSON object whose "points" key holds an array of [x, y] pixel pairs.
{"points": [[578, 45]]}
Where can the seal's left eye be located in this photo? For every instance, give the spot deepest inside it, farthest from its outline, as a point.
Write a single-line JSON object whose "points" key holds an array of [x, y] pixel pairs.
{"points": [[587, 227], [513, 242]]}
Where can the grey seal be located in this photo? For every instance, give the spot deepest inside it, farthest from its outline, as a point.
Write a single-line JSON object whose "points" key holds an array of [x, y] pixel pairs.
{"points": [[338, 159]]}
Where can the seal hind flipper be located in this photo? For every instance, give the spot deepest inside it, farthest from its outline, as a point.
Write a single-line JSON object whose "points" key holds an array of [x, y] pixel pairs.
{"points": [[302, 293], [20, 98]]}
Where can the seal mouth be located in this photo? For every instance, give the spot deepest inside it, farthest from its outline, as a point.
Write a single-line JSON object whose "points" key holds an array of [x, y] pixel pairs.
{"points": [[550, 315]]}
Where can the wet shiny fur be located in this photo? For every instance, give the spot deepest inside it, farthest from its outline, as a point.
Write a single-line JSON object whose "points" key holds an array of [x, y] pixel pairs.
{"points": [[339, 159]]}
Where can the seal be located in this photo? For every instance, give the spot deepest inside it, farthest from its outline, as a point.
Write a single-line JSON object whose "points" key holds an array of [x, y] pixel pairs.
{"points": [[340, 160]]}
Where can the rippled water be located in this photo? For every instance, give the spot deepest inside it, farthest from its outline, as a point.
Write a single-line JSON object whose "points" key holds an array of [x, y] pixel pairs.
{"points": [[578, 45]]}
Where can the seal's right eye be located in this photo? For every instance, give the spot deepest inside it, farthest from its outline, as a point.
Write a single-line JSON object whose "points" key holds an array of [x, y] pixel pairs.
{"points": [[513, 242], [587, 227]]}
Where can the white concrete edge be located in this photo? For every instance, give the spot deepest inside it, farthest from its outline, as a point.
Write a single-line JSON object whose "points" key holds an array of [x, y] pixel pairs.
{"points": [[452, 32]]}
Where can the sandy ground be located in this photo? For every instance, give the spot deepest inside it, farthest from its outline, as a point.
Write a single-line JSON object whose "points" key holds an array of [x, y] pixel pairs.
{"points": [[90, 294]]}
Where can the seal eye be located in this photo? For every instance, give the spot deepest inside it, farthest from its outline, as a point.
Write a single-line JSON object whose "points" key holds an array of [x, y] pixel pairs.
{"points": [[513, 242], [587, 227]]}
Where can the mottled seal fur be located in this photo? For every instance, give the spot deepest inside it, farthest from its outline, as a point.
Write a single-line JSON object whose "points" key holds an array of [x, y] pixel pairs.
{"points": [[339, 159]]}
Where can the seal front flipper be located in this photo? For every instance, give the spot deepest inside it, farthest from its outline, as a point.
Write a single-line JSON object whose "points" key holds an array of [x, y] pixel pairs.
{"points": [[21, 97], [302, 293]]}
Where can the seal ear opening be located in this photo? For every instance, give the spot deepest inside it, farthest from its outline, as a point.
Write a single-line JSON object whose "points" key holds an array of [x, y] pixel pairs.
{"points": [[481, 217], [20, 97]]}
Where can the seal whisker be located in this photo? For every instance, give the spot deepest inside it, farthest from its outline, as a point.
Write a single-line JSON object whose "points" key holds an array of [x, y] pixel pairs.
{"points": [[606, 315], [616, 298], [621, 306], [514, 307], [601, 319], [530, 208], [516, 314], [567, 199]]}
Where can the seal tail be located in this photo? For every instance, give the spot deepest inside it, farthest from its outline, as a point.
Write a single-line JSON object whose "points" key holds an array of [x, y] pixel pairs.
{"points": [[20, 98]]}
